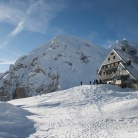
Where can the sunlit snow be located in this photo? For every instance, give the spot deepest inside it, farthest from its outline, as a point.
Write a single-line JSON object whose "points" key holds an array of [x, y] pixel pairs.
{"points": [[97, 111]]}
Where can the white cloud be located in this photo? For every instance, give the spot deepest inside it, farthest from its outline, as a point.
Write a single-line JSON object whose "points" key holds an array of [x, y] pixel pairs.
{"points": [[4, 61], [33, 15], [18, 29]]}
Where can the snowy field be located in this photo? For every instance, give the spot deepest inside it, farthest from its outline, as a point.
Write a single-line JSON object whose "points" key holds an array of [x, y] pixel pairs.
{"points": [[97, 111]]}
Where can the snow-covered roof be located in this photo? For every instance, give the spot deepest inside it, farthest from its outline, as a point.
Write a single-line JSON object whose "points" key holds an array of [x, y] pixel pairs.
{"points": [[133, 68]]}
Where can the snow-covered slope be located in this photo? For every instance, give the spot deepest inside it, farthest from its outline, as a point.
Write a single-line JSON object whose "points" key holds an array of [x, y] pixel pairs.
{"points": [[97, 111], [61, 63]]}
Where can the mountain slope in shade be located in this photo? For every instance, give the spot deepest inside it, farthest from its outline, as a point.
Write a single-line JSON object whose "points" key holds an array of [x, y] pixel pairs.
{"points": [[61, 63]]}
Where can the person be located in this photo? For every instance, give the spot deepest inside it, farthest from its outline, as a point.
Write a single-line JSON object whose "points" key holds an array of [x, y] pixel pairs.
{"points": [[100, 81], [81, 83], [94, 81], [97, 82], [90, 82]]}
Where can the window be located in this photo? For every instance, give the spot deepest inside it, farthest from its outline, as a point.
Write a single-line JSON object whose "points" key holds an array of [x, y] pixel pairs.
{"points": [[109, 65], [113, 57], [112, 53], [103, 73], [116, 64], [112, 65], [108, 59]]}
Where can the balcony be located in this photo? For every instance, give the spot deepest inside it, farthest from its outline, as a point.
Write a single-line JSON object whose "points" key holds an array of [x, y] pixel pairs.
{"points": [[106, 77], [109, 68]]}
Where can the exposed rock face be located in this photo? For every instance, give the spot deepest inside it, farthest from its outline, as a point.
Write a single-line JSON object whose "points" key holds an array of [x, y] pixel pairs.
{"points": [[61, 63], [20, 92]]}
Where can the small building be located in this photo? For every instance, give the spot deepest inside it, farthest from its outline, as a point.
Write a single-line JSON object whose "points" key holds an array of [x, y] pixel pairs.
{"points": [[120, 68]]}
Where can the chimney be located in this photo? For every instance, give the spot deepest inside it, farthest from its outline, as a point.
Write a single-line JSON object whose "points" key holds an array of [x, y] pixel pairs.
{"points": [[123, 48], [128, 61]]}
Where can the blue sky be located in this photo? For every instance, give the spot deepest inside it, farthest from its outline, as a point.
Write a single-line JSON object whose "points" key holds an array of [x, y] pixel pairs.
{"points": [[27, 24]]}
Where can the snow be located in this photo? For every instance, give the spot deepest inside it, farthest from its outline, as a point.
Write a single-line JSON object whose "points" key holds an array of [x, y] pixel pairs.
{"points": [[96, 111], [14, 122], [133, 69], [130, 46]]}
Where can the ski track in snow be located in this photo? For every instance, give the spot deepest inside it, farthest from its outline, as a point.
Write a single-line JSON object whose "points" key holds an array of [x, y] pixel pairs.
{"points": [[84, 112]]}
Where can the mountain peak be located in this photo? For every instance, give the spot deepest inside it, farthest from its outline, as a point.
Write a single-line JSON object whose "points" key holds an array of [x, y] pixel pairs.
{"points": [[61, 63]]}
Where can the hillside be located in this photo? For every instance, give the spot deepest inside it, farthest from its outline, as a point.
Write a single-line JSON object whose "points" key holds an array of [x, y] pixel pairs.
{"points": [[61, 63], [97, 111]]}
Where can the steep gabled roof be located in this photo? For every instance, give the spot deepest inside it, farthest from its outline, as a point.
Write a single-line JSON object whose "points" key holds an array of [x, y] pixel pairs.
{"points": [[107, 58], [133, 68], [133, 71]]}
